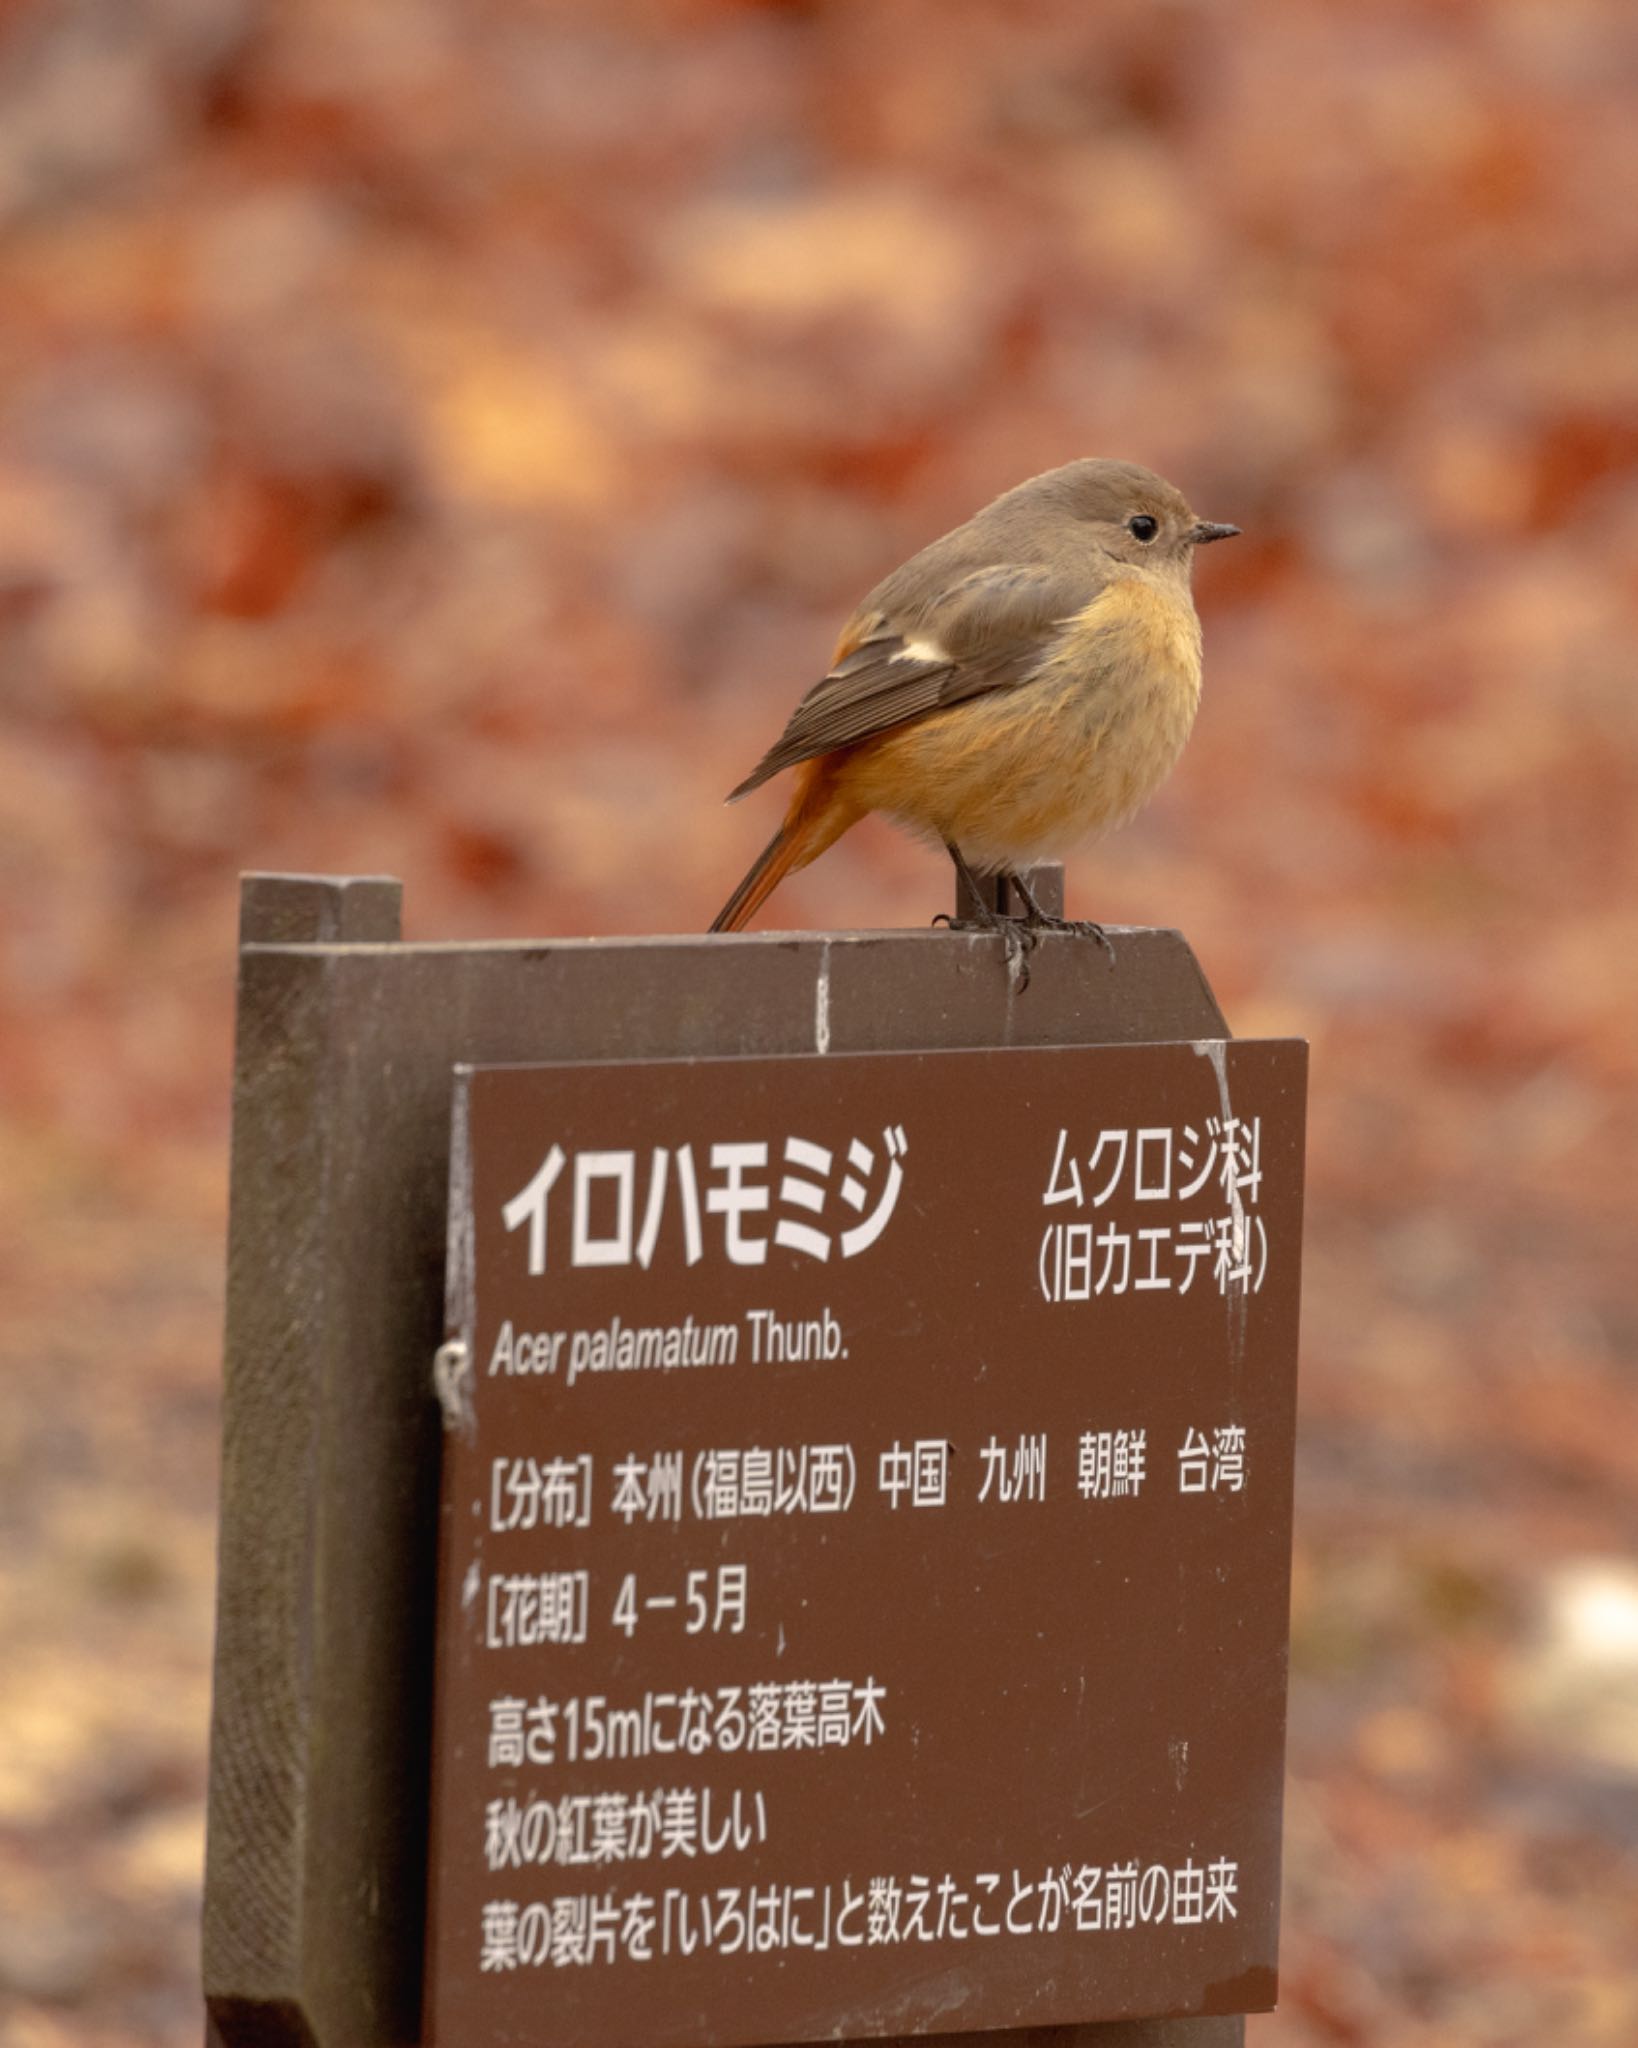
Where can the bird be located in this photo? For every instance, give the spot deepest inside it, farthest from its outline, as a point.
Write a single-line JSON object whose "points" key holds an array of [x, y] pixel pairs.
{"points": [[1022, 684]]}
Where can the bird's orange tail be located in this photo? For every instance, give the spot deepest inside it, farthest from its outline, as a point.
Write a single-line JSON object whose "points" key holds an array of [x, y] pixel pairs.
{"points": [[818, 816]]}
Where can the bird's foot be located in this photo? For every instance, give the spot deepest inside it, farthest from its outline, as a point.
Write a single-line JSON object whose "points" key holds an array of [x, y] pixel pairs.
{"points": [[1077, 927], [1018, 940], [1037, 920]]}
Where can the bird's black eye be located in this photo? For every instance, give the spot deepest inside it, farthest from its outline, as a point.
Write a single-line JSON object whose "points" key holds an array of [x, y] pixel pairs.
{"points": [[1141, 527]]}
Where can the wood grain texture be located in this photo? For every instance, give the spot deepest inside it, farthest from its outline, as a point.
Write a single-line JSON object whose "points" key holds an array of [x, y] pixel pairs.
{"points": [[315, 1879]]}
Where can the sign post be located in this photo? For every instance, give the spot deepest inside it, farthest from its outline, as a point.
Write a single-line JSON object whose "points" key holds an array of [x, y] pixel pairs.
{"points": [[865, 1476]]}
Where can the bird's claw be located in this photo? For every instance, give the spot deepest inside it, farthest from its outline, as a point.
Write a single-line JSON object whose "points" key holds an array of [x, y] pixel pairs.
{"points": [[1075, 927], [1018, 941]]}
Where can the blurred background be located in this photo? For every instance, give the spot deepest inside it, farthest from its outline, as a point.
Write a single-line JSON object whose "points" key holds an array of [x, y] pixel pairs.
{"points": [[443, 436]]}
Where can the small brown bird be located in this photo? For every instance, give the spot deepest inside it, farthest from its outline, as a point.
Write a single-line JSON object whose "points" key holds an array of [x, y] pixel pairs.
{"points": [[1023, 683]]}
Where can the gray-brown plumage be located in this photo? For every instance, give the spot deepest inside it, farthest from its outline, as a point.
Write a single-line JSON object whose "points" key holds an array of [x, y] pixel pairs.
{"points": [[1021, 682]]}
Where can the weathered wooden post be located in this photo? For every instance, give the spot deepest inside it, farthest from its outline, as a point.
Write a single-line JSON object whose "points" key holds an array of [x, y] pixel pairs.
{"points": [[865, 1464]]}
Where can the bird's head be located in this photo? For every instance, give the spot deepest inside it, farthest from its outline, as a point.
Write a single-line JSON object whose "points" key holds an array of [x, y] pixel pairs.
{"points": [[1131, 513]]}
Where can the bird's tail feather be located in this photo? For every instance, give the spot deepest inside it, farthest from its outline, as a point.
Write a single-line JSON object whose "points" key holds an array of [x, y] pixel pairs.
{"points": [[767, 871], [816, 819]]}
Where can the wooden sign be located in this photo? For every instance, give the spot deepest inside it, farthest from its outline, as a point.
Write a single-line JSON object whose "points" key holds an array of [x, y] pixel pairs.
{"points": [[865, 1537]]}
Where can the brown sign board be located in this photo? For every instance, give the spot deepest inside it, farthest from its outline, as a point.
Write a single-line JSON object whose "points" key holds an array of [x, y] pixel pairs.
{"points": [[865, 1544]]}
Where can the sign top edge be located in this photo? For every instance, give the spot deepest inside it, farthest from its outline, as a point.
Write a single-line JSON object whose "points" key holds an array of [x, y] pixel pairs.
{"points": [[645, 941]]}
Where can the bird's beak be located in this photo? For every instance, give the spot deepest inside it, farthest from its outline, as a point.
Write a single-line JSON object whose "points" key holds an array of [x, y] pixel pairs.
{"points": [[1211, 529]]}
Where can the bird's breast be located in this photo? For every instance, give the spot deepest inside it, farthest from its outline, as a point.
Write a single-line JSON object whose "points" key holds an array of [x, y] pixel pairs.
{"points": [[1023, 773]]}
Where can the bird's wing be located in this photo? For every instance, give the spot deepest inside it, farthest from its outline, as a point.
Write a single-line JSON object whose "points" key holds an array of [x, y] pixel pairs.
{"points": [[985, 631]]}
